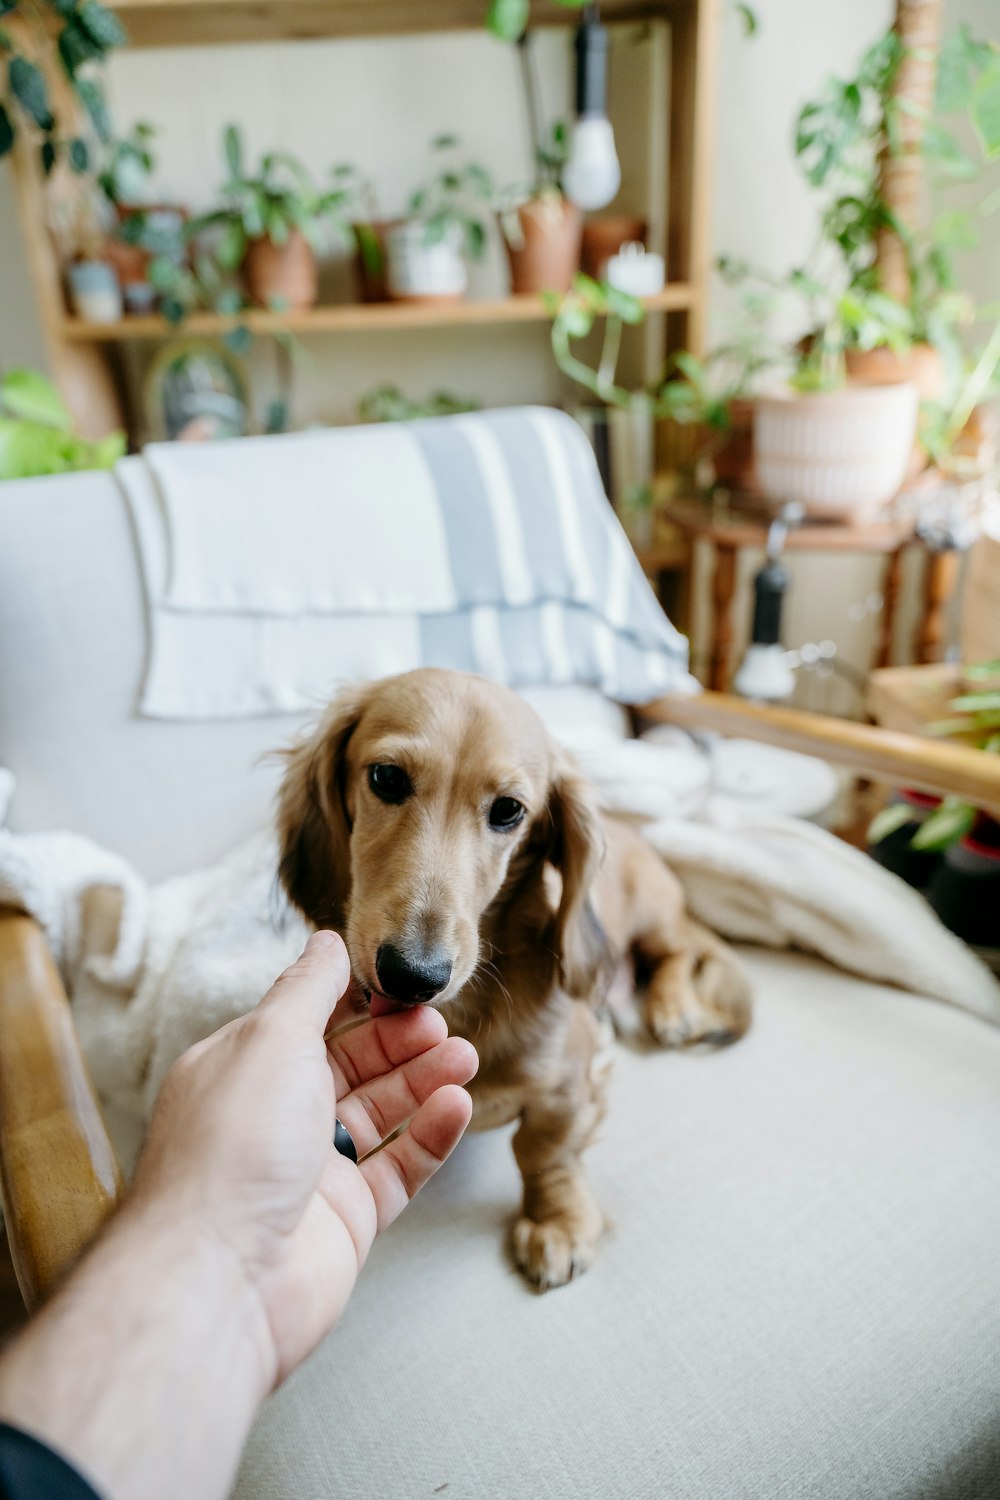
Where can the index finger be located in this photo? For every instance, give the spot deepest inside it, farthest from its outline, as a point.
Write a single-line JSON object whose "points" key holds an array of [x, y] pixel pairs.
{"points": [[314, 983]]}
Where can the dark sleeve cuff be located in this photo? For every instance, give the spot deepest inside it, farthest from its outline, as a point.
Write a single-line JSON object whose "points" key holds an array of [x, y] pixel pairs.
{"points": [[31, 1471]]}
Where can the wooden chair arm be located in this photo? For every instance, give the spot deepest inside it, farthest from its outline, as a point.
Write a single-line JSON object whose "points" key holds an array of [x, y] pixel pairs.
{"points": [[929, 765], [59, 1178]]}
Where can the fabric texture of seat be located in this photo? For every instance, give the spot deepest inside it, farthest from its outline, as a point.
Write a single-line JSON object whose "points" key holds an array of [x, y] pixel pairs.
{"points": [[798, 1298]]}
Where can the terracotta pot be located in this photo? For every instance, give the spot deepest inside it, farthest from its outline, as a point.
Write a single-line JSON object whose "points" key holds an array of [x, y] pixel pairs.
{"points": [[604, 237], [841, 454], [371, 258], [733, 460], [282, 275], [922, 366], [542, 238], [131, 262]]}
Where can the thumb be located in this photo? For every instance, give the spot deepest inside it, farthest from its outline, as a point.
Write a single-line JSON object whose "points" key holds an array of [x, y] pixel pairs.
{"points": [[314, 983]]}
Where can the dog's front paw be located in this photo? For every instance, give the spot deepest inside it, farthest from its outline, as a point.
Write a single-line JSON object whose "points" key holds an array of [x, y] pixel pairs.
{"points": [[551, 1253]]}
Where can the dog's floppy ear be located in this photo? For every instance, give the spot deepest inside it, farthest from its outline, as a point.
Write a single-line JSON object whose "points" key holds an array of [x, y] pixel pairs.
{"points": [[577, 850], [313, 830]]}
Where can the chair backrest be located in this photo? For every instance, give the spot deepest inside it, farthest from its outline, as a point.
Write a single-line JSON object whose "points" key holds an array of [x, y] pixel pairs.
{"points": [[169, 795], [73, 640]]}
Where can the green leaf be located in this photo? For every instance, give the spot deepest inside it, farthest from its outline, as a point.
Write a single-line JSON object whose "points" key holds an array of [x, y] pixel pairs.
{"points": [[28, 87], [76, 48], [91, 96], [507, 18], [888, 820], [6, 6], [986, 110], [32, 397], [983, 671], [79, 156], [229, 301], [106, 453], [623, 305], [6, 131], [945, 826], [232, 246], [101, 25], [971, 703], [232, 143], [749, 17]]}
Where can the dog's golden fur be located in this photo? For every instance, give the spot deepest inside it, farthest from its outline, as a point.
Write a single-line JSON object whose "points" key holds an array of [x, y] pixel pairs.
{"points": [[535, 918]]}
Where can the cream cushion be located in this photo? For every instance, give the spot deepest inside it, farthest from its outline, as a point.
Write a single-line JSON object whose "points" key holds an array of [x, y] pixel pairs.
{"points": [[799, 1296]]}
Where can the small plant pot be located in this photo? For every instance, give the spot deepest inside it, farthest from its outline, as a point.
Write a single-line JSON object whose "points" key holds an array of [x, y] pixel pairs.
{"points": [[604, 237], [94, 292], [841, 454], [420, 270], [542, 240], [281, 275], [733, 459], [965, 888], [371, 259]]}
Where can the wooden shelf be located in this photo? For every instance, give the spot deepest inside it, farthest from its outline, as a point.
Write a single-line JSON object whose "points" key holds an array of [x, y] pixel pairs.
{"points": [[352, 317], [174, 23]]}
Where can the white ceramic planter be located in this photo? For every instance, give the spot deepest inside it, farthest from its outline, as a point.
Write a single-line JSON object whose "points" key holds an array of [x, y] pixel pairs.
{"points": [[94, 291], [417, 269], [841, 454]]}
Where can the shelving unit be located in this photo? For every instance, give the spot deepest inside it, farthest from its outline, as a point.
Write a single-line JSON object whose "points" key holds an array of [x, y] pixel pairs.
{"points": [[86, 358], [348, 317]]}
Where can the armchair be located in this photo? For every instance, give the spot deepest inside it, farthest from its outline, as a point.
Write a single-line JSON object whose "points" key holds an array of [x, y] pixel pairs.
{"points": [[800, 1293]]}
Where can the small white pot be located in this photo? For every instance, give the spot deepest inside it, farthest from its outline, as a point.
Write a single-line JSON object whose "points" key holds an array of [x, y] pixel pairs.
{"points": [[94, 291], [417, 269], [841, 454]]}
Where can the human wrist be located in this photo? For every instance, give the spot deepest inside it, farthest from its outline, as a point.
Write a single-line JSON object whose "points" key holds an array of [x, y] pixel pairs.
{"points": [[159, 1306]]}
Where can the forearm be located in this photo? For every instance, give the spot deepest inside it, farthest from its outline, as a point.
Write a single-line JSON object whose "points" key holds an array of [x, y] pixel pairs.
{"points": [[146, 1370]]}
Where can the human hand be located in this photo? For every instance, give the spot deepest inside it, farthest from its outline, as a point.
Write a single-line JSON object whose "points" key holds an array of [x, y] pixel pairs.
{"points": [[240, 1146]]}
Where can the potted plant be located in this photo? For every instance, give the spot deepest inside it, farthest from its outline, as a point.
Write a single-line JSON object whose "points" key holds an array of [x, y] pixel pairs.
{"points": [[269, 225], [143, 227], [387, 403], [426, 251], [540, 227], [964, 885], [82, 243], [868, 141], [36, 431], [840, 450]]}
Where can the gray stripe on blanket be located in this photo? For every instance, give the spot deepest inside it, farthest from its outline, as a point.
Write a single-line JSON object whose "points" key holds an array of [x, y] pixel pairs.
{"points": [[465, 512]]}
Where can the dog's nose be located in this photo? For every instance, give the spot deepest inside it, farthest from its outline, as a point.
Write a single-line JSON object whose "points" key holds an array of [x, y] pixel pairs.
{"points": [[411, 978]]}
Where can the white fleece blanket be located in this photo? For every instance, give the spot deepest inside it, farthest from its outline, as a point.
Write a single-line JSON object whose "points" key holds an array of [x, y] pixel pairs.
{"points": [[197, 950]]}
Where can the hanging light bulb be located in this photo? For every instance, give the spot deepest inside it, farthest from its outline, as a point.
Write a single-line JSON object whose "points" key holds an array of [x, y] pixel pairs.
{"points": [[593, 175]]}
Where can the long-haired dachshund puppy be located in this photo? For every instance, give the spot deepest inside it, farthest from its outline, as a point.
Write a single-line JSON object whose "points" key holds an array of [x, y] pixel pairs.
{"points": [[433, 821]]}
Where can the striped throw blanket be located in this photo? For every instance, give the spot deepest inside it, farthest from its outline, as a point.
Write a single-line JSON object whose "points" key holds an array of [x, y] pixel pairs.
{"points": [[277, 568]]}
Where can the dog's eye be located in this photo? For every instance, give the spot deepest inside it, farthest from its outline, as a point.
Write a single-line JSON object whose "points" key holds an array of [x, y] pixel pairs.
{"points": [[390, 783], [506, 812]]}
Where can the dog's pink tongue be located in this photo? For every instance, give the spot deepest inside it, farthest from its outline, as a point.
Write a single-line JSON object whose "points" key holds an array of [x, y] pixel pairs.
{"points": [[381, 1005]]}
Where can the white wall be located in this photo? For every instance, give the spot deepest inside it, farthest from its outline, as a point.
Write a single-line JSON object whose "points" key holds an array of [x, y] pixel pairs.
{"points": [[378, 103]]}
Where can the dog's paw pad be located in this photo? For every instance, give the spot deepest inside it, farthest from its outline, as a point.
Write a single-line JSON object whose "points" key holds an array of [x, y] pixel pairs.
{"points": [[549, 1254]]}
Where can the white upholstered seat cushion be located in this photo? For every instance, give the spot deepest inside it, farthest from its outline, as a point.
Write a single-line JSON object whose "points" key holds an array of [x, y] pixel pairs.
{"points": [[799, 1297]]}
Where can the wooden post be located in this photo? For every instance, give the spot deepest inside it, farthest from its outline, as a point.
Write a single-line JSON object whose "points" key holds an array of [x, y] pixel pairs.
{"points": [[890, 594], [918, 25], [940, 574], [693, 46], [723, 588]]}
